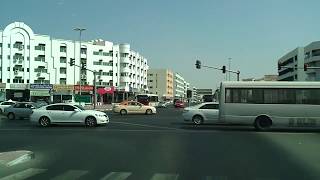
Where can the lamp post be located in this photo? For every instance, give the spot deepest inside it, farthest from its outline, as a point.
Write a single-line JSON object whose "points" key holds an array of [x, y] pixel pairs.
{"points": [[80, 80]]}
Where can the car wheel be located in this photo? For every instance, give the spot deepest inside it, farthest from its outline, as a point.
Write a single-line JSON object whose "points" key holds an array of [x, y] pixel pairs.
{"points": [[197, 119], [123, 112], [11, 116], [44, 121], [148, 111], [262, 123], [91, 121]]}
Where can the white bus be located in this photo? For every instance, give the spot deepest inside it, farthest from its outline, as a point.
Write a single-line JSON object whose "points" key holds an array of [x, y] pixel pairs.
{"points": [[148, 99], [270, 104]]}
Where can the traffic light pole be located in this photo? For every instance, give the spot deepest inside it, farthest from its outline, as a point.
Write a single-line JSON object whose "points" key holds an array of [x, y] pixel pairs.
{"points": [[227, 70]]}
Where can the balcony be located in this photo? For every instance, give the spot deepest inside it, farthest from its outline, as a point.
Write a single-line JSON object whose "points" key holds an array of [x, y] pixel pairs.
{"points": [[125, 60], [312, 59], [125, 79], [125, 69]]}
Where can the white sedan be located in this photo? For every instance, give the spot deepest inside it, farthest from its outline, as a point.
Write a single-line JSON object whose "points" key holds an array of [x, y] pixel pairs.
{"points": [[201, 113], [63, 113], [6, 104]]}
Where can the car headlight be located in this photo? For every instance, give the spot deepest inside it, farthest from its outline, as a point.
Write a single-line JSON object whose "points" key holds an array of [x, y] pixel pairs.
{"points": [[99, 115]]}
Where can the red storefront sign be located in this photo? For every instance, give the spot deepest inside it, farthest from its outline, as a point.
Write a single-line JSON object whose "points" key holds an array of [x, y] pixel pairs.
{"points": [[108, 90], [83, 88]]}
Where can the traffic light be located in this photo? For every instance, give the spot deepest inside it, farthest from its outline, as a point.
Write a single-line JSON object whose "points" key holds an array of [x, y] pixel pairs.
{"points": [[305, 67], [223, 69], [198, 64], [83, 66], [71, 62]]}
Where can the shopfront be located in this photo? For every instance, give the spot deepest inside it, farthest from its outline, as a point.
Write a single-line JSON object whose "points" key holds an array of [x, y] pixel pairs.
{"points": [[18, 92], [62, 93], [105, 94], [41, 92], [86, 94]]}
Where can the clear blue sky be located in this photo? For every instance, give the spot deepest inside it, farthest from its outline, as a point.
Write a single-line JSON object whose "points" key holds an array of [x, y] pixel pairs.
{"points": [[173, 34]]}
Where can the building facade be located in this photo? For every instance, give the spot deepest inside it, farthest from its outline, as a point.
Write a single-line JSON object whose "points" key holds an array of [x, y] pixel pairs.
{"points": [[292, 66], [179, 87], [269, 77], [312, 59], [28, 58], [160, 81]]}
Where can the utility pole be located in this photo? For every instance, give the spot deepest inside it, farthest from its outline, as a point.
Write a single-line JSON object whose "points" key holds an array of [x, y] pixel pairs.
{"points": [[229, 68], [80, 79]]}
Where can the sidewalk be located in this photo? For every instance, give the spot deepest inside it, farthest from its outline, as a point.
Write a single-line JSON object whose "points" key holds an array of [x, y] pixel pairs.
{"points": [[12, 158]]}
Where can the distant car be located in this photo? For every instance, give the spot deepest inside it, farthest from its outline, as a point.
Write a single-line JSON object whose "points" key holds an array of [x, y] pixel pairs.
{"points": [[133, 107], [202, 113], [20, 110], [163, 104], [63, 113], [6, 104], [179, 104]]}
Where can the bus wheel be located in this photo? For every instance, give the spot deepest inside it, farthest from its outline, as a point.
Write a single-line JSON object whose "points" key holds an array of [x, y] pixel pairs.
{"points": [[262, 123]]}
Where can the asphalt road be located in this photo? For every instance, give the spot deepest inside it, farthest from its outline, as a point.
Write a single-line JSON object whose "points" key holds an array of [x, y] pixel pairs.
{"points": [[159, 147]]}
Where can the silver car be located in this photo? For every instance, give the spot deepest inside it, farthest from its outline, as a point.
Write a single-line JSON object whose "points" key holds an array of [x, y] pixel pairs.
{"points": [[20, 110]]}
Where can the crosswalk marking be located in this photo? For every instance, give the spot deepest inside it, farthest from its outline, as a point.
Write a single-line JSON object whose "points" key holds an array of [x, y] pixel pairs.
{"points": [[24, 174], [117, 176], [70, 175], [163, 176]]}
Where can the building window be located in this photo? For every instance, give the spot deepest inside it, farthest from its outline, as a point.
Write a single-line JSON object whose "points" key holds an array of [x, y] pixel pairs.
{"points": [[41, 58], [0, 44], [8, 45], [63, 60], [307, 55], [8, 68], [63, 81], [83, 50], [8, 56], [63, 49], [27, 69], [28, 81], [28, 58], [28, 46], [316, 52], [8, 80], [63, 70]]}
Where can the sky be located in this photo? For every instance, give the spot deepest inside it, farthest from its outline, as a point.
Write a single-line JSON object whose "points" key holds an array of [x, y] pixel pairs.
{"points": [[175, 33]]}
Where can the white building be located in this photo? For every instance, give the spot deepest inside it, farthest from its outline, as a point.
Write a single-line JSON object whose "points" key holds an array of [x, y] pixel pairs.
{"points": [[28, 58], [292, 66], [312, 59], [179, 86]]}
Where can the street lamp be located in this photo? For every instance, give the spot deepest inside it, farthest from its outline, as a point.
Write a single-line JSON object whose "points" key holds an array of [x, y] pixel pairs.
{"points": [[80, 32]]}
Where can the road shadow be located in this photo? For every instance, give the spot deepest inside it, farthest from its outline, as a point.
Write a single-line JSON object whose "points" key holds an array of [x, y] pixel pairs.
{"points": [[239, 127]]}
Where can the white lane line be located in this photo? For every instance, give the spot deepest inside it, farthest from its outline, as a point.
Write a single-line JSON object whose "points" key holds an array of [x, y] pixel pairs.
{"points": [[144, 125], [24, 174], [116, 176], [70, 175], [164, 176]]}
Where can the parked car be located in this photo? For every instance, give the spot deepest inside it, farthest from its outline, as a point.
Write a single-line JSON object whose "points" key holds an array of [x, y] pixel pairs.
{"points": [[6, 104], [179, 104], [20, 110], [64, 113], [133, 107], [202, 113]]}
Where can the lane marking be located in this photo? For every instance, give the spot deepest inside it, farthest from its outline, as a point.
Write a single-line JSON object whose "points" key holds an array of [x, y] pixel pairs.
{"points": [[70, 175], [144, 125], [116, 176], [24, 174], [164, 176]]}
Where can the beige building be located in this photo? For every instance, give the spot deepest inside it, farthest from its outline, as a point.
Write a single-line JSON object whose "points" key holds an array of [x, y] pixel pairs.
{"points": [[160, 81]]}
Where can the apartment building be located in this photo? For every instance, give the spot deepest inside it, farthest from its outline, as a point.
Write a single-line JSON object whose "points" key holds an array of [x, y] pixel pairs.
{"points": [[160, 81]]}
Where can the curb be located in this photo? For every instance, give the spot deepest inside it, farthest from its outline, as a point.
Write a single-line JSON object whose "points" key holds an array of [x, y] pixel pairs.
{"points": [[12, 158]]}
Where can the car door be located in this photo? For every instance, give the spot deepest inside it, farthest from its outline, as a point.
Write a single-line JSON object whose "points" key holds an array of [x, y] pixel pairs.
{"points": [[132, 107], [210, 111], [27, 111], [72, 114], [56, 113], [140, 108], [18, 109]]}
